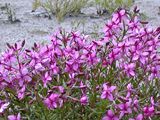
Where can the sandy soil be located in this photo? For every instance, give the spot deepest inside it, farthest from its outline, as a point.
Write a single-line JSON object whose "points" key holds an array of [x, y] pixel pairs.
{"points": [[35, 28]]}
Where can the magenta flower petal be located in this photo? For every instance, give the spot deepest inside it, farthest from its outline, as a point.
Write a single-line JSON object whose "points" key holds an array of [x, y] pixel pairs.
{"points": [[14, 117]]}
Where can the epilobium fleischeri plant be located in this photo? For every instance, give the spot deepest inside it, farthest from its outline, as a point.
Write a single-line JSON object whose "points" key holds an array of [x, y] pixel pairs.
{"points": [[77, 78]]}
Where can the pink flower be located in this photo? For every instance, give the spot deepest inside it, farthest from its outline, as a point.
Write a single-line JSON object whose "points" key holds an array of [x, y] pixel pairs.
{"points": [[139, 117], [134, 24], [109, 26], [72, 66], [125, 108], [84, 100], [39, 67], [14, 117], [3, 106], [8, 56], [59, 88], [117, 17], [23, 76], [129, 90], [53, 101], [154, 72], [34, 58], [114, 55], [46, 79], [21, 92], [149, 110], [107, 92], [135, 104], [130, 69], [54, 68], [110, 116]]}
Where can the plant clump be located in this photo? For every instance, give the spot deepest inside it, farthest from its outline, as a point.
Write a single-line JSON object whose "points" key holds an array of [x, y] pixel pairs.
{"points": [[10, 13], [116, 77], [110, 6], [60, 8]]}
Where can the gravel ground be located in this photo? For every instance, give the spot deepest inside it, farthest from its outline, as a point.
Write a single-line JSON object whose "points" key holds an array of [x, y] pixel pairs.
{"points": [[35, 28]]}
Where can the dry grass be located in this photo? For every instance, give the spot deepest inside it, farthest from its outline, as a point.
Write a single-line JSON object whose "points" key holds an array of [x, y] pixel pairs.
{"points": [[112, 5], [60, 8]]}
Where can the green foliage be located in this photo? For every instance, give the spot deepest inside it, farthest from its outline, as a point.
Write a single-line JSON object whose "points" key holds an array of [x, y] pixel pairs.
{"points": [[60, 8], [112, 5], [36, 4]]}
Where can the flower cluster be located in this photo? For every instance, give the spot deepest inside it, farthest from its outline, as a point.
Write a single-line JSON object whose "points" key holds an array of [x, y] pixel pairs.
{"points": [[130, 105], [120, 72], [133, 48]]}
